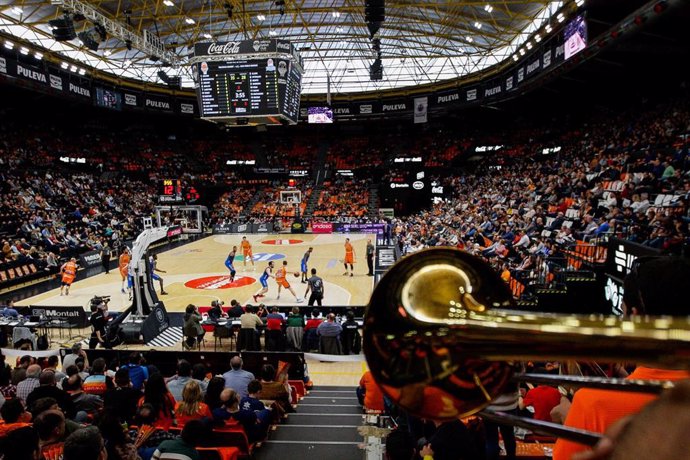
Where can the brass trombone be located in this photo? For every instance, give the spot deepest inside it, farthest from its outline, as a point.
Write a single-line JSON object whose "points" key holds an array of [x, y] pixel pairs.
{"points": [[441, 334]]}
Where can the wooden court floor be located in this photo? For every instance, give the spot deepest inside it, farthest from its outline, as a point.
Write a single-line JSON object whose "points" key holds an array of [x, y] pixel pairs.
{"points": [[196, 273]]}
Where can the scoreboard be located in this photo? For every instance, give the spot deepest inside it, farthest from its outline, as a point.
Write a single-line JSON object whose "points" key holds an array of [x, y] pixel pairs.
{"points": [[170, 191], [257, 81]]}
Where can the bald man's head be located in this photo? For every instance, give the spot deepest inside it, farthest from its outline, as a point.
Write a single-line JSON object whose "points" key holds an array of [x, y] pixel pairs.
{"points": [[33, 371], [236, 362]]}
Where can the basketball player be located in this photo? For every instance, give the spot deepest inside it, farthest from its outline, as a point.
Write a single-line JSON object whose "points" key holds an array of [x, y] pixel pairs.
{"points": [[268, 273], [305, 260], [349, 257], [69, 272], [281, 279], [153, 262], [247, 252], [123, 265], [229, 263]]}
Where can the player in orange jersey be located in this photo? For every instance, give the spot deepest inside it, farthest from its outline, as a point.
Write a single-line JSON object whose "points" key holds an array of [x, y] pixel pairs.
{"points": [[123, 266], [349, 257], [281, 279], [69, 272], [247, 252]]}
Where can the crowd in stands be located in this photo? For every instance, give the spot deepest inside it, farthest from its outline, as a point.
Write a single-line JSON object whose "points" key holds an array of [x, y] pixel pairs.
{"points": [[343, 198], [627, 177], [139, 413]]}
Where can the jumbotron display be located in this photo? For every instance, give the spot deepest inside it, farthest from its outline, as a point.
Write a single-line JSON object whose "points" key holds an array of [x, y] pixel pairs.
{"points": [[248, 82]]}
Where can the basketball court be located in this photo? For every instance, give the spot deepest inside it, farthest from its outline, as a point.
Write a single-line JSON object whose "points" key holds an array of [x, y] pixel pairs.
{"points": [[196, 273]]}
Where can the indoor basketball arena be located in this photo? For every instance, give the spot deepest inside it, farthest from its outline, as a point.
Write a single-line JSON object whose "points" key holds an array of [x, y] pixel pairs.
{"points": [[376, 230]]}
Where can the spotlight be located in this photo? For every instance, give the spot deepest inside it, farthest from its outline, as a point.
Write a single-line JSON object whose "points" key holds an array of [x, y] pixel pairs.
{"points": [[63, 29], [89, 39], [660, 7]]}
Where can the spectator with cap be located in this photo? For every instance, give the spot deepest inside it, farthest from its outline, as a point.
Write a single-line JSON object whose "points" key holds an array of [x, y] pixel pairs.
{"points": [[123, 399], [237, 378]]}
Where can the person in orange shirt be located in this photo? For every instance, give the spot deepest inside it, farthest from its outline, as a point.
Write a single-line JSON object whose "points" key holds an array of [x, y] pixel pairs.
{"points": [[281, 279], [369, 393], [192, 406], [349, 257], [247, 252], [123, 266], [651, 288], [69, 272]]}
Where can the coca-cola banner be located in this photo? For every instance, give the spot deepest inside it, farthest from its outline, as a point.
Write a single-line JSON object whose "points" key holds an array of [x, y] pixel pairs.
{"points": [[242, 47], [322, 227]]}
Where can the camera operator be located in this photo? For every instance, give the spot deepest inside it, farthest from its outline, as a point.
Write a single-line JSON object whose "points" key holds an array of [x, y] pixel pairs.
{"points": [[99, 321]]}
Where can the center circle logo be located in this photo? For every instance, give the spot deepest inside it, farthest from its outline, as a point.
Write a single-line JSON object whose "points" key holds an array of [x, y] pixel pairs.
{"points": [[262, 257], [282, 242], [211, 283]]}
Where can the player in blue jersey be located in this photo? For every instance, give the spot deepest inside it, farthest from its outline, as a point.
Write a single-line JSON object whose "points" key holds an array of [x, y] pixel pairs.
{"points": [[153, 268], [229, 263], [303, 265], [268, 273]]}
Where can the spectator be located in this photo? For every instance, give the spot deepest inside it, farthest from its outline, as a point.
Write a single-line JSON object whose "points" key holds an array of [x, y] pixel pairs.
{"points": [[71, 359], [97, 383], [183, 448], [86, 444], [122, 401], [177, 384], [14, 417], [7, 388], [118, 443], [295, 329], [26, 386], [329, 331], [237, 378], [20, 444], [450, 441], [278, 391], [157, 394], [138, 373], [53, 362], [255, 424], [146, 416], [193, 331], [50, 427], [84, 403], [192, 406], [48, 389], [212, 397], [369, 394], [400, 445], [541, 399], [19, 372], [651, 288], [275, 338], [352, 341], [508, 403]]}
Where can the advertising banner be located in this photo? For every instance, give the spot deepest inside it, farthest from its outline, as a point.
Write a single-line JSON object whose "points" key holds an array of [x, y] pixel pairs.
{"points": [[74, 315], [90, 259], [359, 228], [322, 227]]}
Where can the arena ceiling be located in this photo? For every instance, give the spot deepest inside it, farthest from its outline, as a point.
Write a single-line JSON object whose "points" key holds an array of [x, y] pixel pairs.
{"points": [[421, 41]]}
